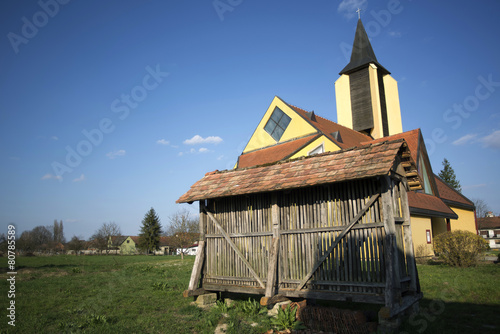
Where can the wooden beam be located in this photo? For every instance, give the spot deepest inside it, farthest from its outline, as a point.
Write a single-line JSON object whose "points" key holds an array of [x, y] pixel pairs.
{"points": [[198, 265], [200, 253], [272, 271], [233, 246], [408, 239], [193, 293], [337, 240]]}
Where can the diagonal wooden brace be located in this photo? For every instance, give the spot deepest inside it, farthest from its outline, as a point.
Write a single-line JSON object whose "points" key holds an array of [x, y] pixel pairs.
{"points": [[337, 240], [233, 246]]}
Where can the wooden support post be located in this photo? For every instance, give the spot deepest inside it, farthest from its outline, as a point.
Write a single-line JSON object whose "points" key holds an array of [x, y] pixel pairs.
{"points": [[236, 250], [392, 276], [272, 272], [410, 253], [337, 240], [200, 254]]}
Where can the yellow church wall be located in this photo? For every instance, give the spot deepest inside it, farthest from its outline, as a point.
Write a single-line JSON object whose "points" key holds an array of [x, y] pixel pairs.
{"points": [[297, 128], [377, 131], [419, 227], [328, 145], [392, 105], [343, 99], [465, 222], [438, 226]]}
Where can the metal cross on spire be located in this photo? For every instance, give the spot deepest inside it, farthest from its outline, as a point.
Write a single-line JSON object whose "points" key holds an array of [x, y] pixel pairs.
{"points": [[359, 13]]}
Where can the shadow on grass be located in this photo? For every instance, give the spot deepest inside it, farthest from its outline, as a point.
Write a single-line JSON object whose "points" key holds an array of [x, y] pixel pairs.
{"points": [[437, 316]]}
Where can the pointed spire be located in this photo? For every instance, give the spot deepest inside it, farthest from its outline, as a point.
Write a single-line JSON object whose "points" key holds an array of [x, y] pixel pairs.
{"points": [[362, 51]]}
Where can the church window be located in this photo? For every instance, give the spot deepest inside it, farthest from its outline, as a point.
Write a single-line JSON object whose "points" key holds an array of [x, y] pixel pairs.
{"points": [[317, 150], [277, 124]]}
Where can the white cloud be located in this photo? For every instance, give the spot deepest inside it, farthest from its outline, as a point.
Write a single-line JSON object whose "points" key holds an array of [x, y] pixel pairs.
{"points": [[197, 139], [465, 139], [163, 142], [472, 186], [115, 154], [203, 150], [349, 7], [393, 33], [49, 176], [54, 138], [492, 140], [79, 179]]}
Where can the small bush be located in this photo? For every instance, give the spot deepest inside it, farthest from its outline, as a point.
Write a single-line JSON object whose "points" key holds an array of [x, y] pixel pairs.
{"points": [[460, 248], [422, 254], [287, 319]]}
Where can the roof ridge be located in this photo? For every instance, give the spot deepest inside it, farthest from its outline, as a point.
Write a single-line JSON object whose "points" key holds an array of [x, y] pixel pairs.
{"points": [[279, 162]]}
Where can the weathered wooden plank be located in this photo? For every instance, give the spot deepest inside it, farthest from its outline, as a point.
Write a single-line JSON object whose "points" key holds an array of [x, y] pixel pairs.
{"points": [[237, 251], [198, 265], [272, 271], [337, 240]]}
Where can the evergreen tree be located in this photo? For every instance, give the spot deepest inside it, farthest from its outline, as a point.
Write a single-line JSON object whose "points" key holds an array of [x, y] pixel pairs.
{"points": [[447, 174], [150, 232]]}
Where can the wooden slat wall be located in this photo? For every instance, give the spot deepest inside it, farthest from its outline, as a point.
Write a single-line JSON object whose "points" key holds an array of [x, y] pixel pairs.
{"points": [[310, 220], [361, 101]]}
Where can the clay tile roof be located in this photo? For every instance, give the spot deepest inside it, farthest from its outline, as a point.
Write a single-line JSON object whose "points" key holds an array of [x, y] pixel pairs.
{"points": [[488, 223], [273, 153], [451, 196], [357, 163], [429, 205], [350, 138], [411, 138]]}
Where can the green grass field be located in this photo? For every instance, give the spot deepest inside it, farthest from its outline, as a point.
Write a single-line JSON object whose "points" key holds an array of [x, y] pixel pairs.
{"points": [[143, 294]]}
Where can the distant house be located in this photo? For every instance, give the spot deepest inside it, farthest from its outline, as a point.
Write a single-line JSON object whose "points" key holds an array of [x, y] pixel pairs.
{"points": [[166, 246], [191, 250], [489, 228], [124, 245]]}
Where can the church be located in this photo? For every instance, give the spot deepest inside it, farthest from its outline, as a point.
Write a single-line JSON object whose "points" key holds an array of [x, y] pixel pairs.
{"points": [[368, 112]]}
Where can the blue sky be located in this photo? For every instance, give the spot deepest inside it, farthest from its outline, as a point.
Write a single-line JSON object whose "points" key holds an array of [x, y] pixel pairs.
{"points": [[110, 108]]}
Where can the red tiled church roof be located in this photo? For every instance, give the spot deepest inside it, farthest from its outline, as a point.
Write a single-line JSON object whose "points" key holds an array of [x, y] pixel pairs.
{"points": [[357, 163], [451, 196], [350, 138], [273, 153], [411, 138], [429, 205]]}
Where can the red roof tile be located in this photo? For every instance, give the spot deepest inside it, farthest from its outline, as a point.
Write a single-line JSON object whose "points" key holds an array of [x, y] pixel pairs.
{"points": [[273, 153], [357, 163], [411, 138], [488, 223], [429, 205], [451, 196], [350, 137]]}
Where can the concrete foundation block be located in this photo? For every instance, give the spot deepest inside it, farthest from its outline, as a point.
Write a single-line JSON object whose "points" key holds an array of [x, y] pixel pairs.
{"points": [[207, 299]]}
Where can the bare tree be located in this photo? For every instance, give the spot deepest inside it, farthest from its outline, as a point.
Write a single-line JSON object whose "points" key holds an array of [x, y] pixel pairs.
{"points": [[183, 230], [101, 237], [38, 239], [481, 207]]}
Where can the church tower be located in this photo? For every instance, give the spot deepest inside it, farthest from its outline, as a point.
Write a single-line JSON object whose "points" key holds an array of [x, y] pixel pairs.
{"points": [[366, 95]]}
